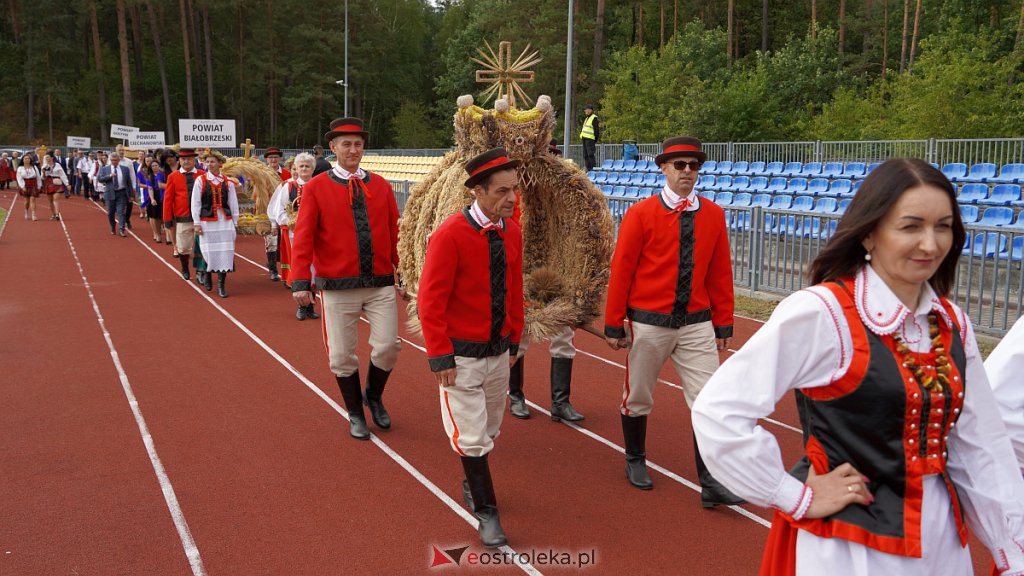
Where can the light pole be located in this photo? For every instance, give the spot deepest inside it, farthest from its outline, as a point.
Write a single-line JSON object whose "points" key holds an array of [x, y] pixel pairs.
{"points": [[345, 81], [568, 85]]}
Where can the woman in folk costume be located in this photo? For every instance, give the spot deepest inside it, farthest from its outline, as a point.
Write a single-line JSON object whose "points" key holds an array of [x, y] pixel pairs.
{"points": [[30, 182], [904, 446], [6, 171], [55, 183], [283, 212], [215, 213]]}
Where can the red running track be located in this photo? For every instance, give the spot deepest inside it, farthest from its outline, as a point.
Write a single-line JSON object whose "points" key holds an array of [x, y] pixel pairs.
{"points": [[248, 468]]}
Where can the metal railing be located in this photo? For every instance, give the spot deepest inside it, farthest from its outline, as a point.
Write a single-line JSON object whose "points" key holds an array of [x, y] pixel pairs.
{"points": [[772, 251]]}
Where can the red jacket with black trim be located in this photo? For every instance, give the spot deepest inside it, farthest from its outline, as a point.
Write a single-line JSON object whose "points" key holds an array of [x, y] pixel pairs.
{"points": [[349, 236], [671, 268], [178, 196], [457, 302]]}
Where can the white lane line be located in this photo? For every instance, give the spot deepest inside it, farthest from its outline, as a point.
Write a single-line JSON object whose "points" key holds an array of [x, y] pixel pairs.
{"points": [[678, 387], [8, 216], [187, 542], [408, 467], [600, 438]]}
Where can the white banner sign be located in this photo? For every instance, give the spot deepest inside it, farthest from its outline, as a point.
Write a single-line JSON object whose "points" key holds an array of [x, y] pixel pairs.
{"points": [[122, 132], [147, 140], [79, 142], [207, 133]]}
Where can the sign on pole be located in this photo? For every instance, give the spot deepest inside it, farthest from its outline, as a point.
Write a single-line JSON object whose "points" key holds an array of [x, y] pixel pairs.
{"points": [[147, 140], [207, 133], [79, 142], [123, 132]]}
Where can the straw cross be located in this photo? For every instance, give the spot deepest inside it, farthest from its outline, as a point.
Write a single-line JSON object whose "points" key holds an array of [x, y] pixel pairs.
{"points": [[248, 147], [503, 74]]}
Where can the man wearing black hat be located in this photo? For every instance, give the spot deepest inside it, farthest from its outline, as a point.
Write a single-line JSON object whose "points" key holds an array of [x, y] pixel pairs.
{"points": [[470, 305], [590, 134], [670, 296], [348, 230], [178, 213]]}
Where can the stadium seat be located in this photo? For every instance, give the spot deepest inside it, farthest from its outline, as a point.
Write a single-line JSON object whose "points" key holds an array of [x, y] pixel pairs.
{"points": [[758, 184], [1015, 251], [797, 186], [629, 165], [855, 170], [818, 187], [632, 192], [740, 168], [722, 183], [742, 199], [607, 164], [1003, 195], [705, 182], [825, 206], [776, 186], [708, 195], [832, 170], [841, 187], [740, 183], [592, 175], [723, 198], [856, 186], [969, 213], [773, 169], [803, 203], [1010, 174], [756, 169], [651, 179], [811, 169], [709, 167], [617, 165], [1018, 223], [619, 191], [972, 193], [662, 180], [782, 202], [636, 179], [955, 171], [843, 204], [997, 216], [725, 167], [986, 244], [871, 167], [792, 169], [607, 189], [981, 172], [762, 200]]}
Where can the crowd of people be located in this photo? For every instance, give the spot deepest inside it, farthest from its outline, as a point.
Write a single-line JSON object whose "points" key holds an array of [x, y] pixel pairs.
{"points": [[910, 440]]}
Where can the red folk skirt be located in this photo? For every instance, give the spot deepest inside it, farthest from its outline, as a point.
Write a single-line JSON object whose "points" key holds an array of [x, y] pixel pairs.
{"points": [[31, 189], [284, 254], [53, 186]]}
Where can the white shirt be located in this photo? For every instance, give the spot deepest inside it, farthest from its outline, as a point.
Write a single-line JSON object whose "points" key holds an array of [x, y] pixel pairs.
{"points": [[29, 173], [58, 172], [807, 344], [229, 197], [345, 174], [673, 200], [478, 214], [277, 209], [1005, 367]]}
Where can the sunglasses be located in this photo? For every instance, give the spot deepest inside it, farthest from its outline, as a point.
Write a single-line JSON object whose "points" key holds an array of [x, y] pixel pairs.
{"points": [[681, 165]]}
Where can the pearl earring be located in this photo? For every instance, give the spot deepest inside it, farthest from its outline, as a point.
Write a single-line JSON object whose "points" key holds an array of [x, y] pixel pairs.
{"points": [[867, 256]]}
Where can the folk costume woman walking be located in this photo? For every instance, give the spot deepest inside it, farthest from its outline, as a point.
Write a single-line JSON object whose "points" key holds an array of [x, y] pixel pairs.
{"points": [[283, 212], [55, 184], [30, 182], [7, 172], [904, 446], [215, 213]]}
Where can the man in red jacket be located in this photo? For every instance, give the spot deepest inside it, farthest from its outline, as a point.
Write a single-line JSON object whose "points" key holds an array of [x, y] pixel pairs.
{"points": [[348, 231], [471, 308], [178, 212], [670, 296]]}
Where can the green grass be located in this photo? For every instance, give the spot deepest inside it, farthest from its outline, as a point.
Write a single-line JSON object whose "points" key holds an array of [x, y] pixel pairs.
{"points": [[3, 217]]}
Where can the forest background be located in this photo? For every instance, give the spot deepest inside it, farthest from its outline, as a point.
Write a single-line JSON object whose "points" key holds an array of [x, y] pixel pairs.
{"points": [[727, 70]]}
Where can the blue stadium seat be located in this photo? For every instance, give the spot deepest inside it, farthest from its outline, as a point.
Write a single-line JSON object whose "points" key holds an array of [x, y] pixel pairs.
{"points": [[969, 213], [844, 203], [617, 165], [725, 167], [1003, 195], [1018, 223], [741, 167], [1015, 251], [773, 169], [803, 203], [832, 170], [997, 216], [1010, 174], [955, 171], [777, 185], [708, 195], [784, 223], [797, 186], [756, 169], [742, 199], [871, 167], [705, 182], [782, 202], [619, 191], [629, 165], [607, 189], [986, 244], [762, 200], [841, 187], [972, 193], [740, 183], [651, 179], [722, 183], [643, 166], [592, 175], [818, 187], [723, 198], [607, 164], [636, 179], [709, 167], [598, 177], [811, 169], [981, 172], [792, 169], [632, 191], [662, 180], [758, 184], [855, 170], [826, 206], [856, 186]]}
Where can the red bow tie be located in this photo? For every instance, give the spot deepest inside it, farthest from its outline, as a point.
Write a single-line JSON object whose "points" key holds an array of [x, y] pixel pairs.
{"points": [[355, 182]]}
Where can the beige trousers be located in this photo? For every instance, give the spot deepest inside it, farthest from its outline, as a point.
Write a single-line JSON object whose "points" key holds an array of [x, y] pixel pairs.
{"points": [[184, 237], [341, 310], [693, 352], [561, 343], [472, 409]]}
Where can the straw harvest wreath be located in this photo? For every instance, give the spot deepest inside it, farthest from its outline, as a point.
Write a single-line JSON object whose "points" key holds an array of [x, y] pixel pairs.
{"points": [[567, 229]]}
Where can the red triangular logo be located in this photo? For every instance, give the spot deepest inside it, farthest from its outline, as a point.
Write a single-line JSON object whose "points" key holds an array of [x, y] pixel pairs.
{"points": [[440, 559]]}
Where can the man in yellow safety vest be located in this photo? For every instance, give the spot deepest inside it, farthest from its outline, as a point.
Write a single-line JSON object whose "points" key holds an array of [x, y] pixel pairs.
{"points": [[590, 134]]}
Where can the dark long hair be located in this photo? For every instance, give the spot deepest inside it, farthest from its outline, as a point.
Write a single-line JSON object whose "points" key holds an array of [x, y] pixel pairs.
{"points": [[844, 253]]}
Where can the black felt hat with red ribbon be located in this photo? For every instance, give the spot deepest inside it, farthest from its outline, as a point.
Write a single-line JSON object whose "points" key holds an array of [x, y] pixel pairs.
{"points": [[680, 146], [346, 126], [273, 152], [187, 153], [494, 160]]}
